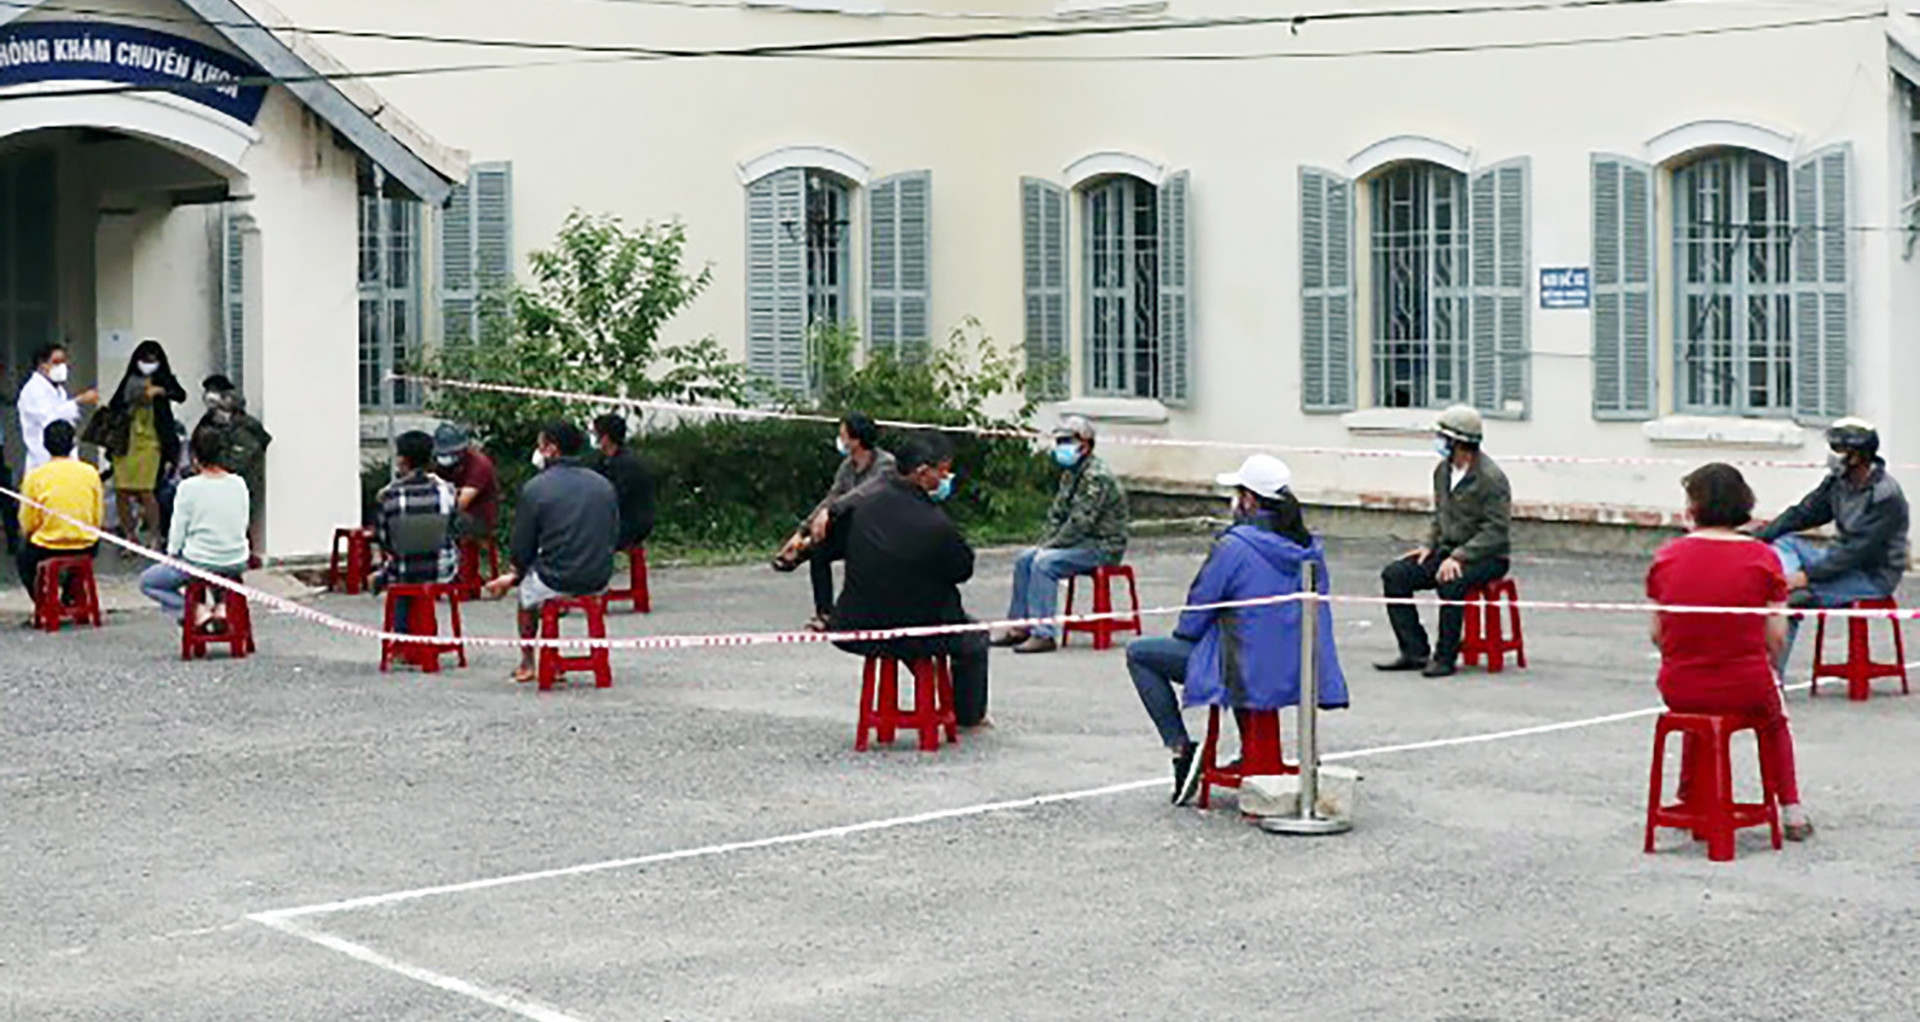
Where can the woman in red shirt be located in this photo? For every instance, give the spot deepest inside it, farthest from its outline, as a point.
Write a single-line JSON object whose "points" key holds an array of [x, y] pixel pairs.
{"points": [[1723, 663]]}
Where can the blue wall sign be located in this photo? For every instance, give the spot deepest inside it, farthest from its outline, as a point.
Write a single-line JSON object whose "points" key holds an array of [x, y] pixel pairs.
{"points": [[99, 51], [1566, 287]]}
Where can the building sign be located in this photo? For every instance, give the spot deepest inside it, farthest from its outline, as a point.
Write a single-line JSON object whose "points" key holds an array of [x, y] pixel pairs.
{"points": [[98, 51], [1567, 287]]}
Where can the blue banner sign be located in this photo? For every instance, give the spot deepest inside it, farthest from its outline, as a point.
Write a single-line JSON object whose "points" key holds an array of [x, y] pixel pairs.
{"points": [[1567, 287], [99, 51]]}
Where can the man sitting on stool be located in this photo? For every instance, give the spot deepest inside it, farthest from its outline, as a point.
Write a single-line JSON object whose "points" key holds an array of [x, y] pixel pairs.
{"points": [[68, 486], [1867, 509], [631, 478], [1086, 529], [1466, 545], [905, 562], [563, 533], [415, 526]]}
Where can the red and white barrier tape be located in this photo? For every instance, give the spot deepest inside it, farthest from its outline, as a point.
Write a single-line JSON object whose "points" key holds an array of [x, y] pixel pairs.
{"points": [[1117, 438]]}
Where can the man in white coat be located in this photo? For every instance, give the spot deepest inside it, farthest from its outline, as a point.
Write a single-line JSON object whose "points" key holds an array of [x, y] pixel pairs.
{"points": [[43, 399]]}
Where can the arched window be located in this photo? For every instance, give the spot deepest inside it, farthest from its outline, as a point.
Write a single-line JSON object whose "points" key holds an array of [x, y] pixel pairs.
{"points": [[1733, 243], [1123, 286], [1421, 296]]}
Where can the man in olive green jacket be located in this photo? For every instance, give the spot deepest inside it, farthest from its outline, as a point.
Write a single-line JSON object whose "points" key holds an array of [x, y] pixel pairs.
{"points": [[1086, 529], [1466, 546]]}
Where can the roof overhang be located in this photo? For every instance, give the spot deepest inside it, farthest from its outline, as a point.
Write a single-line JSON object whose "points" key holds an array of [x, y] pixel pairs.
{"points": [[1903, 47]]}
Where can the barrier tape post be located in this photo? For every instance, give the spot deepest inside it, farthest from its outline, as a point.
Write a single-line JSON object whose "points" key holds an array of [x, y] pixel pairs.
{"points": [[1308, 820]]}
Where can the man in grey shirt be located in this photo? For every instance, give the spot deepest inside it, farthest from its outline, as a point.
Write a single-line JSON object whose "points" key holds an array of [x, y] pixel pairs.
{"points": [[862, 462]]}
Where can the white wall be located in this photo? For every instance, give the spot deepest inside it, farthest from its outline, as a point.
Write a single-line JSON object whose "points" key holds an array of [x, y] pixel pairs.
{"points": [[659, 139]]}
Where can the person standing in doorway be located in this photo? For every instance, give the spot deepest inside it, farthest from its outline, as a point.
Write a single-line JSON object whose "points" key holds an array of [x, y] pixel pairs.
{"points": [[150, 442], [43, 399], [244, 441], [1466, 546]]}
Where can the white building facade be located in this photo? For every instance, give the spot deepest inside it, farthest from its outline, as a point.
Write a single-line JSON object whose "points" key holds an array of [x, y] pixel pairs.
{"points": [[1622, 231]]}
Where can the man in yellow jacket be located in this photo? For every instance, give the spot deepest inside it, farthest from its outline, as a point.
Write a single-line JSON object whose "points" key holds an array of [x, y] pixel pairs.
{"points": [[70, 493]]}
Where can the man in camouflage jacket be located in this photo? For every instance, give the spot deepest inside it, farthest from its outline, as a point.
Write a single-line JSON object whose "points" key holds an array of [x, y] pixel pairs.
{"points": [[1086, 529]]}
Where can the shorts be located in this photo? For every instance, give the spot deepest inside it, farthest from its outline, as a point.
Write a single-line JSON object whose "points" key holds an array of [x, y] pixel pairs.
{"points": [[535, 592]]}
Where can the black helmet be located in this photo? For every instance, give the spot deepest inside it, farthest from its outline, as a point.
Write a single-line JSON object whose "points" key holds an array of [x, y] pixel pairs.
{"points": [[1849, 435]]}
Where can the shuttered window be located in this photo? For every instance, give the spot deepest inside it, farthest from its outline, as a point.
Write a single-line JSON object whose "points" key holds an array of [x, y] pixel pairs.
{"points": [[1623, 337], [898, 280], [1326, 291], [1043, 232], [389, 304], [1500, 354], [799, 270], [1822, 285], [477, 255], [1734, 254], [1138, 320], [232, 360]]}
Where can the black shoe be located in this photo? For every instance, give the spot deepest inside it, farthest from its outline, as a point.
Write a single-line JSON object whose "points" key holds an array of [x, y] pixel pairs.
{"points": [[1438, 669], [1404, 663], [1186, 775]]}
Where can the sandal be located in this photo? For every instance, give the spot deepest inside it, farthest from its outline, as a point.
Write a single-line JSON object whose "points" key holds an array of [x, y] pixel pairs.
{"points": [[523, 675], [818, 623]]}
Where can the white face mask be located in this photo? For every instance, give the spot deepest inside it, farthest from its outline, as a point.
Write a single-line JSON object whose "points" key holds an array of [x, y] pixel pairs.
{"points": [[446, 460], [539, 459], [58, 373], [147, 368]]}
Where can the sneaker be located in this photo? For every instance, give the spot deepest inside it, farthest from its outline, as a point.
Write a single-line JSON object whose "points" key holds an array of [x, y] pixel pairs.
{"points": [[1438, 669], [1010, 637], [1402, 663], [1797, 831], [1038, 644], [1186, 775]]}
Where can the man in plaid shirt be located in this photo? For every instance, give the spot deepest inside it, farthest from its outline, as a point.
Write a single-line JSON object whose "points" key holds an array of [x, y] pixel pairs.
{"points": [[415, 525]]}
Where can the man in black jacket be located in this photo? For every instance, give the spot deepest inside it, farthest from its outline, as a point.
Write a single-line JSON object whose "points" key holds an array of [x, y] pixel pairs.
{"points": [[905, 561], [563, 533], [1868, 511], [631, 478]]}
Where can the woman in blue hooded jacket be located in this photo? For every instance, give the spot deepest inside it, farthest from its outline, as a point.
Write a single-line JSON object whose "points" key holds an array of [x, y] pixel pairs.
{"points": [[1241, 657]]}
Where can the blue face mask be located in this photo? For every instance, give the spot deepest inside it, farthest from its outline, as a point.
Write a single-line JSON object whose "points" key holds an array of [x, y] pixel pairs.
{"points": [[840, 444], [941, 492], [1066, 455], [1443, 447]]}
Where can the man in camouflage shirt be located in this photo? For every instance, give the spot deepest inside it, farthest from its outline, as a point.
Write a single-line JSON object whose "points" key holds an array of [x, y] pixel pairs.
{"points": [[243, 442], [1086, 529]]}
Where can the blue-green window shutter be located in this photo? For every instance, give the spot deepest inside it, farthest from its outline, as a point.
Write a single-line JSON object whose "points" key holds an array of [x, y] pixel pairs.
{"points": [[456, 267], [233, 296], [1326, 292], [1623, 337], [1822, 285], [777, 279], [1043, 233], [898, 272], [476, 255], [1176, 289], [1497, 243]]}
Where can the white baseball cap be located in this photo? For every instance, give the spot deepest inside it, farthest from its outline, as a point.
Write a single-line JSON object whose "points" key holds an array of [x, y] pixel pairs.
{"points": [[1264, 474]]}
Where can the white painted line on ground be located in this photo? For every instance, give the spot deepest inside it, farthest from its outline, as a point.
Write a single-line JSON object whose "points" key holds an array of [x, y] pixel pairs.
{"points": [[485, 995]]}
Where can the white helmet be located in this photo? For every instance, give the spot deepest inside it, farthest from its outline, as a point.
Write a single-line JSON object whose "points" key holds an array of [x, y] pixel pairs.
{"points": [[1461, 423]]}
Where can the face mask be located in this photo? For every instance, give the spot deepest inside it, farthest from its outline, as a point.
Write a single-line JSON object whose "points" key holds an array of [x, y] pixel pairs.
{"points": [[1066, 455], [1836, 464], [147, 368], [446, 460], [539, 459], [840, 444], [941, 492], [1443, 447], [58, 374]]}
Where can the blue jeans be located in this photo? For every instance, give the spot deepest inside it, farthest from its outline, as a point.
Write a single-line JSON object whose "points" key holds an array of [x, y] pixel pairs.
{"points": [[1157, 665], [166, 585], [1799, 554], [1036, 581]]}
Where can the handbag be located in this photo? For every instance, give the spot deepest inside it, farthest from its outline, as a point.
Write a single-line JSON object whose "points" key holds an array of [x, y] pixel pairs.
{"points": [[110, 429]]}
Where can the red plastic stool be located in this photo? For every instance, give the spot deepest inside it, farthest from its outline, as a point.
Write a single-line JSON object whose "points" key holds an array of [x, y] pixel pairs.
{"points": [[1706, 804], [881, 713], [553, 664], [636, 582], [1860, 667], [422, 619], [1104, 629], [53, 580], [351, 560], [1260, 752], [1484, 633], [238, 637], [470, 580]]}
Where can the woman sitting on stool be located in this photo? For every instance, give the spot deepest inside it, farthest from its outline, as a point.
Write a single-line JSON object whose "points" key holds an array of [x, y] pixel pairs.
{"points": [[1723, 663], [209, 531]]}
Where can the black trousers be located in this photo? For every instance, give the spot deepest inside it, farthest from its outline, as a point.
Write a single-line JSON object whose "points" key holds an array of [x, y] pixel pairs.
{"points": [[820, 566], [1405, 577], [30, 556], [10, 510], [968, 653]]}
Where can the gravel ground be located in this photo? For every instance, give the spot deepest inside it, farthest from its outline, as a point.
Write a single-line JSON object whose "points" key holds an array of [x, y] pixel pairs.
{"points": [[149, 806]]}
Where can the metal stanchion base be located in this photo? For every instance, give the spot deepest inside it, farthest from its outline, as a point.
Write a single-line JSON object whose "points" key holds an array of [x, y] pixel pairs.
{"points": [[1304, 825]]}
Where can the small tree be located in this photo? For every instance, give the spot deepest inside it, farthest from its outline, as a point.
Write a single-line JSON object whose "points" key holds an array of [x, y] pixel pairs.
{"points": [[590, 320]]}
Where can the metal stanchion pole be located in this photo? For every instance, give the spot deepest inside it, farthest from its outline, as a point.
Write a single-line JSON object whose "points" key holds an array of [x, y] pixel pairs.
{"points": [[1307, 820]]}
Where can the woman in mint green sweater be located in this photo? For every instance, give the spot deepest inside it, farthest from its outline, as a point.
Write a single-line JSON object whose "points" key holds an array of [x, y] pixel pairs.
{"points": [[209, 532]]}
